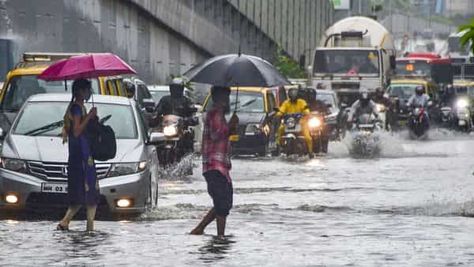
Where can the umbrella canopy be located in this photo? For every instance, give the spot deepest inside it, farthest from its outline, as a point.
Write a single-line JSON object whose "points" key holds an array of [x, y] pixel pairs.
{"points": [[86, 66], [237, 70]]}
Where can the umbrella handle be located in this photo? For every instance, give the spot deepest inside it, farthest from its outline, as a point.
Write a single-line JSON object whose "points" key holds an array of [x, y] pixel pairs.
{"points": [[236, 100]]}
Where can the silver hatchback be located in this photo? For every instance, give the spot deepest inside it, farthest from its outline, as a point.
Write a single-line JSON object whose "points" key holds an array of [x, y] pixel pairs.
{"points": [[33, 170]]}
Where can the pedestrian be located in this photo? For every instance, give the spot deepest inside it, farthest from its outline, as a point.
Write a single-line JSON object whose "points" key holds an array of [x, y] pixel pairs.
{"points": [[83, 187], [216, 160]]}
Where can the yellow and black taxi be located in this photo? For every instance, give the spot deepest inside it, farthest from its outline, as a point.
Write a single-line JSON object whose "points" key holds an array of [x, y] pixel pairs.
{"points": [[401, 90], [256, 135], [21, 82]]}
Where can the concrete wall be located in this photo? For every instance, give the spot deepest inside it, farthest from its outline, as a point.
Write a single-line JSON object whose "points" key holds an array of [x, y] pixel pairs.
{"points": [[296, 25], [160, 38]]}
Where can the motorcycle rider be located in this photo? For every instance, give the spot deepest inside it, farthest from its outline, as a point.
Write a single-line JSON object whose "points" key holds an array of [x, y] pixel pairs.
{"points": [[316, 105], [295, 105], [420, 100], [364, 105], [381, 98], [176, 104], [129, 88]]}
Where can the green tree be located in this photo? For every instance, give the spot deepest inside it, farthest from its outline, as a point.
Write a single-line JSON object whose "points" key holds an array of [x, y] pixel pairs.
{"points": [[287, 66], [467, 37]]}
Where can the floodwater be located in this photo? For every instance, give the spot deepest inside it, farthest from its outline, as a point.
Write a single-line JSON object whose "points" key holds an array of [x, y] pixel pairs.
{"points": [[411, 206]]}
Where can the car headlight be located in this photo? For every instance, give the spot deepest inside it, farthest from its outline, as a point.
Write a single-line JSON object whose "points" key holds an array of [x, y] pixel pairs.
{"points": [[462, 103], [119, 169], [15, 165], [170, 130], [314, 122]]}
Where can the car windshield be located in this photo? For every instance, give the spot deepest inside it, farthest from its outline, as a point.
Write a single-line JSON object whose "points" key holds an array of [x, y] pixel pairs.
{"points": [[327, 99], [37, 115], [464, 90], [413, 68], [347, 62], [22, 87], [402, 91], [157, 95], [247, 102]]}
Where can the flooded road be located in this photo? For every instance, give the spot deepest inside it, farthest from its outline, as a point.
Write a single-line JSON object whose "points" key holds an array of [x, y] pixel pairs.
{"points": [[412, 206]]}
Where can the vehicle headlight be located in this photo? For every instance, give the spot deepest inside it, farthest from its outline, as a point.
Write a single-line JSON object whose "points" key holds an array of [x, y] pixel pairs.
{"points": [[380, 107], [119, 169], [462, 103], [15, 165], [314, 123], [170, 130]]}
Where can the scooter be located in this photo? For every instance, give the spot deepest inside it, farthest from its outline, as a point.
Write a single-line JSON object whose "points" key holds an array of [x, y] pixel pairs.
{"points": [[365, 137], [418, 123], [177, 139], [463, 115], [293, 141]]}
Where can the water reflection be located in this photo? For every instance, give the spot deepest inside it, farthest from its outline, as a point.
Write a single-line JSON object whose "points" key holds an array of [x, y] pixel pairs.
{"points": [[82, 244], [215, 249]]}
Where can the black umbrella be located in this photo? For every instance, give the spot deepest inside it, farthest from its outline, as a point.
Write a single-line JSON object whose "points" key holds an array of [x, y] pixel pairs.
{"points": [[237, 70]]}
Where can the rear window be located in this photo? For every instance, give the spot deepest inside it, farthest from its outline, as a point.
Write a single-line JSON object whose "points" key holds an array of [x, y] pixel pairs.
{"points": [[20, 88]]}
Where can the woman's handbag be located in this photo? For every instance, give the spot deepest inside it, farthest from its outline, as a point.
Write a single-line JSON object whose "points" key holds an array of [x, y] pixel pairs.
{"points": [[102, 140]]}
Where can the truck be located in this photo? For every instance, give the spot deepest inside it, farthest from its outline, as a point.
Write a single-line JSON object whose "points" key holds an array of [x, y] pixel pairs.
{"points": [[354, 53]]}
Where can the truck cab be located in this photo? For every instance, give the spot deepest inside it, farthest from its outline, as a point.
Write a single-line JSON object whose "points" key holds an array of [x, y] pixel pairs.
{"points": [[355, 53]]}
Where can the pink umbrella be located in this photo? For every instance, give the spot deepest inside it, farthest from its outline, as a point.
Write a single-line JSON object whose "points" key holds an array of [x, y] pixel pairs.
{"points": [[86, 66]]}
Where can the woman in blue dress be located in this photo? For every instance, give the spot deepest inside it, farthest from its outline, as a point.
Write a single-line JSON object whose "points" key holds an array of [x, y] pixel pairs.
{"points": [[83, 187]]}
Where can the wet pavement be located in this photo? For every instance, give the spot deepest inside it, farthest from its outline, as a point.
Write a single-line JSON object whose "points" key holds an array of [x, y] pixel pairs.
{"points": [[411, 206]]}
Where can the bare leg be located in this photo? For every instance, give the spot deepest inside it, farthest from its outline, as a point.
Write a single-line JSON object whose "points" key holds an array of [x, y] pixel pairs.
{"points": [[90, 217], [220, 221], [210, 216], [71, 211]]}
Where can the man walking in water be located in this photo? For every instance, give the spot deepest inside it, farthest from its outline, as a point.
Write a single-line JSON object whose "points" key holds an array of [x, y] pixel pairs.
{"points": [[216, 159]]}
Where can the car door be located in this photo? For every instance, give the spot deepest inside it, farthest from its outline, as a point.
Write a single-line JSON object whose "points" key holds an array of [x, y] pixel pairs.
{"points": [[151, 154]]}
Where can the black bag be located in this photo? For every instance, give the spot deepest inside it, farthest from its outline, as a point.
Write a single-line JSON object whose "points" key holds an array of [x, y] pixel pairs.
{"points": [[102, 141]]}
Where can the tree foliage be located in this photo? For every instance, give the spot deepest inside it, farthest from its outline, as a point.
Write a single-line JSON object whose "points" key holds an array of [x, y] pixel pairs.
{"points": [[287, 66], [467, 37]]}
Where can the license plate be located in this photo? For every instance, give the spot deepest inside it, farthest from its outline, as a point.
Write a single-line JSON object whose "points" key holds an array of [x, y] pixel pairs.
{"points": [[60, 188]]}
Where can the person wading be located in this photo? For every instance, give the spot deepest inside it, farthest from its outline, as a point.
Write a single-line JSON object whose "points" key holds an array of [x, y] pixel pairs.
{"points": [[216, 160], [83, 187]]}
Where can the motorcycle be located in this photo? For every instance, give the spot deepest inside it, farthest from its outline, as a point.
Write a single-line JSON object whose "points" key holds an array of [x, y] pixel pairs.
{"points": [[293, 141], [365, 138], [418, 123], [317, 128], [446, 117], [463, 115], [177, 139]]}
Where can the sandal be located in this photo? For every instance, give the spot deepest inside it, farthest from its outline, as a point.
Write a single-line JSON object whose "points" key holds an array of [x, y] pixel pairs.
{"points": [[62, 228]]}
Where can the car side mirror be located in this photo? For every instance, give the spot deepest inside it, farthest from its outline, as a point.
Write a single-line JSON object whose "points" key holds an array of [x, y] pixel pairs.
{"points": [[149, 104]]}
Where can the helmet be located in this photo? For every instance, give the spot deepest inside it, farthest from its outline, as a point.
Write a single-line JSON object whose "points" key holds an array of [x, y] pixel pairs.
{"points": [[419, 90], [177, 87], [293, 94], [364, 96], [129, 87]]}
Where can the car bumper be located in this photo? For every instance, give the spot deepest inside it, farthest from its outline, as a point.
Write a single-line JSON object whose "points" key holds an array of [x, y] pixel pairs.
{"points": [[28, 190], [249, 144]]}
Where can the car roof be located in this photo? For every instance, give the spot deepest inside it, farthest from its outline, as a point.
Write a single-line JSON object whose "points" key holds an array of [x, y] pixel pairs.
{"points": [[66, 97]]}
